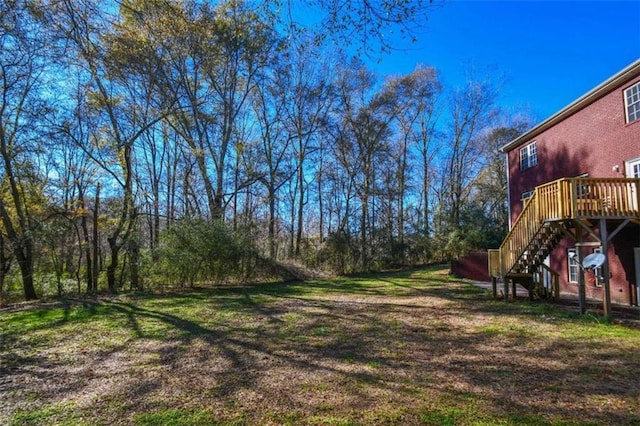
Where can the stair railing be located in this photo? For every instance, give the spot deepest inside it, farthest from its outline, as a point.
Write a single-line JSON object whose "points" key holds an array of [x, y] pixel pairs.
{"points": [[549, 201], [562, 199]]}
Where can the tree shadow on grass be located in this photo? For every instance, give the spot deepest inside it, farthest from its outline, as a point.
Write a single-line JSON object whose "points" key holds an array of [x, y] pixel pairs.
{"points": [[339, 353], [133, 312], [351, 345]]}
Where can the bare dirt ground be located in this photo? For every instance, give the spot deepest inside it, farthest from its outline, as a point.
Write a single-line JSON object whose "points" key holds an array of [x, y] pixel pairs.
{"points": [[396, 350]]}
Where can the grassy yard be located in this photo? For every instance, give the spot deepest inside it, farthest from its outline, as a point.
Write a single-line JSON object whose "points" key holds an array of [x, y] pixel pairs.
{"points": [[401, 348]]}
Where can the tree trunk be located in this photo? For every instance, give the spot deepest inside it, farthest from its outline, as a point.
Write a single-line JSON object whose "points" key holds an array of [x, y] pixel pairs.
{"points": [[23, 250], [401, 191], [363, 230], [300, 204], [292, 224], [172, 172], [364, 220], [25, 261], [272, 223], [134, 267], [96, 209], [236, 189], [212, 195], [425, 196], [5, 263], [112, 267], [320, 205], [86, 243], [155, 238], [217, 212]]}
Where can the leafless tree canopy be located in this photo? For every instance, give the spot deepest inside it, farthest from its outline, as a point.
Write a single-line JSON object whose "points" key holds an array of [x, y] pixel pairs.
{"points": [[159, 142]]}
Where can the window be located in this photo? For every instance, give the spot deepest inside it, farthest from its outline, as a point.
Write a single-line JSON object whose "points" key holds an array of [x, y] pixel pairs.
{"points": [[632, 102], [524, 197], [572, 265], [528, 156], [633, 168], [633, 171]]}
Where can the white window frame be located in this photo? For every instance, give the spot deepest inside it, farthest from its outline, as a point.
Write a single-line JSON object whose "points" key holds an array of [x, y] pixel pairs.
{"points": [[528, 156], [632, 103], [573, 267], [632, 168]]}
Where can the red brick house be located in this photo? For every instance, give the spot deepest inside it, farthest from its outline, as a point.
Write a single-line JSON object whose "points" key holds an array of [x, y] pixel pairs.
{"points": [[573, 189]]}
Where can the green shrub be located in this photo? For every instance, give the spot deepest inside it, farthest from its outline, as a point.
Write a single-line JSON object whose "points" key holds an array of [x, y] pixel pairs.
{"points": [[194, 250]]}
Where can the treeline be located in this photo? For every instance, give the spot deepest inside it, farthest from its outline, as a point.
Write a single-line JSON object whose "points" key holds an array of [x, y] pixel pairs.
{"points": [[167, 142]]}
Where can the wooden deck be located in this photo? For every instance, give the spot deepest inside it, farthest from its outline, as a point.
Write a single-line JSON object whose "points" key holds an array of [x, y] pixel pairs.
{"points": [[555, 204]]}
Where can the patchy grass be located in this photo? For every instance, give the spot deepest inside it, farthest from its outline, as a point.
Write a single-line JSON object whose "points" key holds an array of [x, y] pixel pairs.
{"points": [[399, 348]]}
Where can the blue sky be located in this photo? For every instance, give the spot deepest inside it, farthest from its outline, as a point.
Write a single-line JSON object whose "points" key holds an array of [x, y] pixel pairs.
{"points": [[550, 52]]}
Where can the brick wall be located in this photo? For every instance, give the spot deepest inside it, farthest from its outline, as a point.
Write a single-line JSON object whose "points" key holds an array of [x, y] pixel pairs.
{"points": [[597, 141], [621, 267], [473, 266], [593, 140]]}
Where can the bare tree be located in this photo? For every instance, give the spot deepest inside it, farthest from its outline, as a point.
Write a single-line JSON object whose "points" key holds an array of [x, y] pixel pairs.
{"points": [[414, 98], [23, 65], [306, 107], [362, 143], [121, 101], [470, 109], [367, 24], [274, 145]]}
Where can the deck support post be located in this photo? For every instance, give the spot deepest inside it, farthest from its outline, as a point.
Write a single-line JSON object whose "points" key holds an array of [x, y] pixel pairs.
{"points": [[506, 289], [606, 303], [532, 284], [514, 289], [494, 286], [582, 293]]}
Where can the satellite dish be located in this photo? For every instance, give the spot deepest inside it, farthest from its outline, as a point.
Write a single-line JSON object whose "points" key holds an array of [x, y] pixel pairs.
{"points": [[593, 261]]}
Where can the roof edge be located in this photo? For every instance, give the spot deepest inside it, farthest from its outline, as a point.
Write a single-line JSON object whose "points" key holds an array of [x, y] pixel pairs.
{"points": [[620, 78]]}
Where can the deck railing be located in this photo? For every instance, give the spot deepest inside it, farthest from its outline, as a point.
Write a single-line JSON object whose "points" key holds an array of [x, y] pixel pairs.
{"points": [[567, 198], [494, 262], [608, 198], [523, 230]]}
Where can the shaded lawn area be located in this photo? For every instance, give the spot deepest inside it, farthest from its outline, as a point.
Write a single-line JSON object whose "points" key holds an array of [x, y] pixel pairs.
{"points": [[413, 347]]}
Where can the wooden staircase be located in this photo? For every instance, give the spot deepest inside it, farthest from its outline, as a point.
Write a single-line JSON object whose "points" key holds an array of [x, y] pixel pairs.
{"points": [[529, 267], [540, 246], [548, 216]]}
